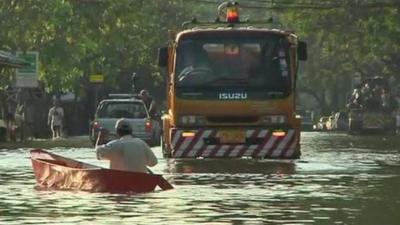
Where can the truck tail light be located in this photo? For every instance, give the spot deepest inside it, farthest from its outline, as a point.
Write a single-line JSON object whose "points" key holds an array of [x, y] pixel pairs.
{"points": [[188, 134], [278, 133]]}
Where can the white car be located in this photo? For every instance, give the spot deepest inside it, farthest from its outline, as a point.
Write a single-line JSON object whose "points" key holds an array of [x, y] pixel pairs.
{"points": [[110, 110], [322, 123]]}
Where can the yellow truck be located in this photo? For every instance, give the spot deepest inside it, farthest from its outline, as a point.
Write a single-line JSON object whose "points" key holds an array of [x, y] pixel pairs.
{"points": [[230, 90]]}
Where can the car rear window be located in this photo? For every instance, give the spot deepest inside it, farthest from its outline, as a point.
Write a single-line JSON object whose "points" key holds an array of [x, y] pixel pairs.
{"points": [[122, 109]]}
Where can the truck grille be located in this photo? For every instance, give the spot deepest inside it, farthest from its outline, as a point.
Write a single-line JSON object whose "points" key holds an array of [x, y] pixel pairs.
{"points": [[232, 119]]}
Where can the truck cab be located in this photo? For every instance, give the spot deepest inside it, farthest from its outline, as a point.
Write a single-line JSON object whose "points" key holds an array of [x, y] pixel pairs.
{"points": [[230, 91]]}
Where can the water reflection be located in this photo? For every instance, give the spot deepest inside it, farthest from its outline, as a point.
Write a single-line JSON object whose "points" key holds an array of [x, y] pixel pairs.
{"points": [[340, 179], [230, 166]]}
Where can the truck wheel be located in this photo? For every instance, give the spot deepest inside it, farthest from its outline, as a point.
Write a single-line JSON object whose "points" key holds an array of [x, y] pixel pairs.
{"points": [[350, 130], [156, 140], [392, 131], [92, 137], [3, 134], [165, 151], [352, 127]]}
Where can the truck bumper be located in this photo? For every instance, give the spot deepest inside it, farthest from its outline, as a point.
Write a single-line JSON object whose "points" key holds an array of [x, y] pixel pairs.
{"points": [[259, 143]]}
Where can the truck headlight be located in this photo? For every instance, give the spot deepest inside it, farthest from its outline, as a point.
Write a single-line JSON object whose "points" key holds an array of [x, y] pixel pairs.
{"points": [[191, 120], [274, 119]]}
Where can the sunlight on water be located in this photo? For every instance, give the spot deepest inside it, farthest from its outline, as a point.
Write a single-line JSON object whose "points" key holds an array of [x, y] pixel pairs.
{"points": [[338, 180]]}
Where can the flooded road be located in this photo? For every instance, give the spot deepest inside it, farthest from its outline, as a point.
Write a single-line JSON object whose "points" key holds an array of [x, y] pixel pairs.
{"points": [[339, 179]]}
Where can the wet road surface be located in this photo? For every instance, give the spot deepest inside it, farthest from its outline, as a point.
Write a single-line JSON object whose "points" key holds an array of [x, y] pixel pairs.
{"points": [[339, 179]]}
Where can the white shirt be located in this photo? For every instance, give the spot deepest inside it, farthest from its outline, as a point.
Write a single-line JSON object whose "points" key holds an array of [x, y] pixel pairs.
{"points": [[128, 154], [56, 115]]}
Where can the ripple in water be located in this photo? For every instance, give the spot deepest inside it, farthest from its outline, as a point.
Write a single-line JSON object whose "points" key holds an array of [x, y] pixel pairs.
{"points": [[343, 184]]}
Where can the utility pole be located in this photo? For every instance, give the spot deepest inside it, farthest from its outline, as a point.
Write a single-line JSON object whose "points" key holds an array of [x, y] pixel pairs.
{"points": [[134, 79], [97, 80]]}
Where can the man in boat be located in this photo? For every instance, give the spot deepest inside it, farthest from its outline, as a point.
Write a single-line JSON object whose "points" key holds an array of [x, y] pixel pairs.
{"points": [[127, 153]]}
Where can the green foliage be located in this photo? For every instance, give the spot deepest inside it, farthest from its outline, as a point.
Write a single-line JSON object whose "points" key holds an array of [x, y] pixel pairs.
{"points": [[352, 40], [77, 38]]}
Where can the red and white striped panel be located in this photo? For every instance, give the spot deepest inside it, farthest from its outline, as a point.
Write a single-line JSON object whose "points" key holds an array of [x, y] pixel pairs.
{"points": [[271, 147]]}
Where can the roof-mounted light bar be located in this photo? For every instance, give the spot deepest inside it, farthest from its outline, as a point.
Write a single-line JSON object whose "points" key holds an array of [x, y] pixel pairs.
{"points": [[232, 12], [228, 13]]}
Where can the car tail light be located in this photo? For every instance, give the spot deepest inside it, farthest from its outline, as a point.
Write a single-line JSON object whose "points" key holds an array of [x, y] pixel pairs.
{"points": [[148, 126]]}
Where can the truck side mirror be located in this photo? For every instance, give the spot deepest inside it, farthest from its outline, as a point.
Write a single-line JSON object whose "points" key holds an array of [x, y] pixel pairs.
{"points": [[302, 50], [163, 56]]}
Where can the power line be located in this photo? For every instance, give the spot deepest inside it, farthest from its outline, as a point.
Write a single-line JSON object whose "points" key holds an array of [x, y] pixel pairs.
{"points": [[281, 5], [274, 7]]}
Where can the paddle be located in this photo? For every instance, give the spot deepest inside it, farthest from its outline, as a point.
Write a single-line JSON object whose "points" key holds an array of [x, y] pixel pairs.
{"points": [[163, 183]]}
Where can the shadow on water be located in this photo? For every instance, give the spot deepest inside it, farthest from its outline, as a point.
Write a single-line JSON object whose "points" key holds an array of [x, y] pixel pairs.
{"points": [[228, 174], [230, 166]]}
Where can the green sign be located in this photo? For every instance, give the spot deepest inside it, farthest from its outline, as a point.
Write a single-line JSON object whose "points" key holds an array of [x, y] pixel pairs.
{"points": [[28, 75], [96, 78]]}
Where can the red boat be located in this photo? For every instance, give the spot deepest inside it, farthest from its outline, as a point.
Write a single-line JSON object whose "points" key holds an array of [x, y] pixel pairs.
{"points": [[54, 171]]}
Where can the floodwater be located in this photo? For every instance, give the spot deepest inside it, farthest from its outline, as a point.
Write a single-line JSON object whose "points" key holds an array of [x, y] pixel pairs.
{"points": [[339, 179]]}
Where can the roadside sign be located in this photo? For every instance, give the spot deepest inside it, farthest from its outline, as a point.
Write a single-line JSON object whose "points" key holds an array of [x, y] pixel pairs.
{"points": [[28, 76], [96, 78]]}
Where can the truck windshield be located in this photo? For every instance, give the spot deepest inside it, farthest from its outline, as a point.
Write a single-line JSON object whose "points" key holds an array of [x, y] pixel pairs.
{"points": [[260, 62]]}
